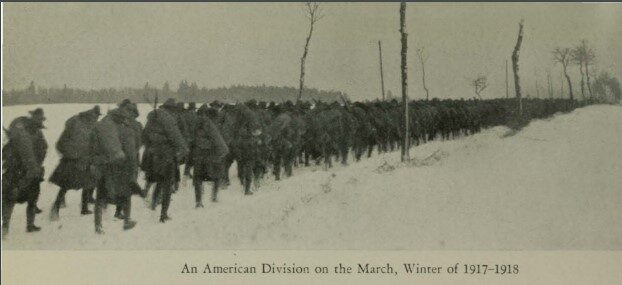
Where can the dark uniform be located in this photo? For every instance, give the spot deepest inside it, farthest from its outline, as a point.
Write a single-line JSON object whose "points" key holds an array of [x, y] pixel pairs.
{"points": [[190, 118], [165, 147], [114, 150], [73, 169], [208, 154], [282, 136], [22, 164]]}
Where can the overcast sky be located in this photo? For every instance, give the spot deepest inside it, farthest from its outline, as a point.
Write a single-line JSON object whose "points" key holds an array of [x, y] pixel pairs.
{"points": [[101, 45]]}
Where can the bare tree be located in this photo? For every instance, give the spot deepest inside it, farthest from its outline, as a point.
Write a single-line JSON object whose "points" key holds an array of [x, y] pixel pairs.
{"points": [[584, 56], [479, 84], [563, 56], [404, 69], [381, 72], [550, 85], [423, 58], [314, 14], [515, 55], [507, 85], [579, 57]]}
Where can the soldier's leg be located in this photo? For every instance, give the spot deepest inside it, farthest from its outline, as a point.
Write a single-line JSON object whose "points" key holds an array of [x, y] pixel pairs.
{"points": [[276, 164], [177, 179], [198, 194], [344, 154], [187, 169], [7, 211], [86, 195], [127, 212], [156, 194], [100, 201], [288, 161], [215, 190], [166, 188], [119, 208], [247, 173], [31, 208], [54, 212]]}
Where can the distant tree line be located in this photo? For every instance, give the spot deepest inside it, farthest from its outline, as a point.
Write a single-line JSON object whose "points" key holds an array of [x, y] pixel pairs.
{"points": [[186, 92]]}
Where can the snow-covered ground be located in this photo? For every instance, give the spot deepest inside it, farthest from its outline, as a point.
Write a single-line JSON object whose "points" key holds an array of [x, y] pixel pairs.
{"points": [[557, 184]]}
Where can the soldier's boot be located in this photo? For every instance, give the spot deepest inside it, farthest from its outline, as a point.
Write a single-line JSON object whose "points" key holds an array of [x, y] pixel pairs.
{"points": [[86, 194], [247, 186], [31, 212], [288, 169], [63, 203], [344, 156], [91, 196], [127, 210], [166, 200], [54, 212], [276, 169], [118, 213], [215, 191], [155, 196], [99, 207], [198, 193]]}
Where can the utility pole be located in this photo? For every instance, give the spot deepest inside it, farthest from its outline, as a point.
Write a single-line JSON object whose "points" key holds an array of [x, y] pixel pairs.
{"points": [[507, 85], [404, 68], [381, 72]]}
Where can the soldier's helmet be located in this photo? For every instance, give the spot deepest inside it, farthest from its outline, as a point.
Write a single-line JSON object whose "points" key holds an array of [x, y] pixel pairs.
{"points": [[124, 102], [215, 104], [192, 106], [251, 103], [96, 111], [203, 110], [37, 117], [169, 104]]}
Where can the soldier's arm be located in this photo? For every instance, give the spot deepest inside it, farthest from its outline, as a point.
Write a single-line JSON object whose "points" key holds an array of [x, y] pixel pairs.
{"points": [[24, 147], [61, 144], [174, 134]]}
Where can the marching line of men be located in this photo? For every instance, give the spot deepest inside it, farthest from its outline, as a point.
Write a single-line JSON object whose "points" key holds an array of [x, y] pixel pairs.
{"points": [[104, 155]]}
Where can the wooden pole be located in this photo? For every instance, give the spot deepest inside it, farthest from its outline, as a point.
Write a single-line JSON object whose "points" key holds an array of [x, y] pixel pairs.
{"points": [[404, 68], [515, 55], [381, 72], [507, 85]]}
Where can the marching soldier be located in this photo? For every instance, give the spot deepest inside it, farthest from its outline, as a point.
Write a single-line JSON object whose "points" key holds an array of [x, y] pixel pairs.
{"points": [[165, 148], [114, 149], [208, 154], [72, 171], [23, 172], [190, 118]]}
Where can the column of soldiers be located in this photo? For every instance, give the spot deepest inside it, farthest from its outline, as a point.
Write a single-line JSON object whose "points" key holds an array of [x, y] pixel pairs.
{"points": [[258, 136]]}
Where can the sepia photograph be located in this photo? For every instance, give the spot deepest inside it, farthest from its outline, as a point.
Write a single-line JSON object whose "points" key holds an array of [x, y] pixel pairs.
{"points": [[311, 126]]}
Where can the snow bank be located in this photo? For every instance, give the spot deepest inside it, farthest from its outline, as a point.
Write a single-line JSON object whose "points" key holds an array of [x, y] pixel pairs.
{"points": [[554, 185]]}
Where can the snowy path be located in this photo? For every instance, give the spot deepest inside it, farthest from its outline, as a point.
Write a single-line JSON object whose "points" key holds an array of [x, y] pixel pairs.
{"points": [[554, 185]]}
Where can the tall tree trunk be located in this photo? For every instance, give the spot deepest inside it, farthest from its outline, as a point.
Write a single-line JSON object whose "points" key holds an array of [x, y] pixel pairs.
{"points": [[587, 75], [562, 84], [582, 81], [427, 92], [507, 85], [381, 71], [404, 68], [515, 56], [302, 61], [569, 82]]}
